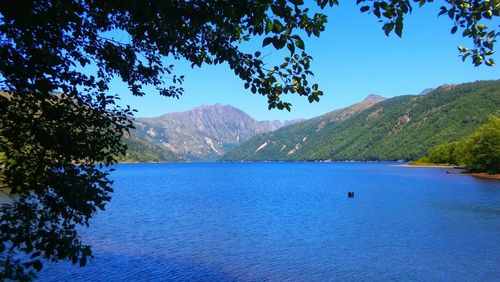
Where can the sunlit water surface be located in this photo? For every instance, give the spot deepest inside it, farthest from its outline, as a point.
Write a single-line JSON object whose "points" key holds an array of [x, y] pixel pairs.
{"points": [[292, 221]]}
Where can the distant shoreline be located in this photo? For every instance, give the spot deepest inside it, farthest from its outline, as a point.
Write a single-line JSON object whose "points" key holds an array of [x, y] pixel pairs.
{"points": [[246, 161], [475, 174], [483, 175], [428, 165]]}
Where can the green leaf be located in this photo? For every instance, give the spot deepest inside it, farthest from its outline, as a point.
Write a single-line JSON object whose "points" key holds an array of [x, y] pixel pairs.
{"points": [[277, 26], [279, 43], [364, 9], [443, 11], [267, 41], [269, 25], [388, 28], [299, 43], [399, 27]]}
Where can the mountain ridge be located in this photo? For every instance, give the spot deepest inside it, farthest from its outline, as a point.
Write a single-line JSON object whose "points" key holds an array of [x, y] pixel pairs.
{"points": [[399, 128], [375, 128], [202, 134]]}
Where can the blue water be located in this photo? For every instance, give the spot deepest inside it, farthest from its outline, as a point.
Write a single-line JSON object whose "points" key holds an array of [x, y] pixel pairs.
{"points": [[292, 221]]}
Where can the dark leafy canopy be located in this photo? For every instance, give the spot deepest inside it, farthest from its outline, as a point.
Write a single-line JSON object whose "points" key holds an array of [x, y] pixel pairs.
{"points": [[49, 143], [49, 149], [52, 39]]}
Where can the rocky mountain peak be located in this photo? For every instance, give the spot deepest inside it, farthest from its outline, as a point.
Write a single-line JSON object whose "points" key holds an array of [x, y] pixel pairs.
{"points": [[203, 133], [426, 91], [373, 97], [215, 107]]}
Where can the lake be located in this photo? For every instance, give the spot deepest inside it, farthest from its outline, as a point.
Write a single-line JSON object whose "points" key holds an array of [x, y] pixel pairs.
{"points": [[294, 222]]}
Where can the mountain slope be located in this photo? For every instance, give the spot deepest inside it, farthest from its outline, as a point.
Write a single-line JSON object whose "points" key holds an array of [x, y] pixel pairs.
{"points": [[281, 144], [400, 128], [202, 134], [145, 150]]}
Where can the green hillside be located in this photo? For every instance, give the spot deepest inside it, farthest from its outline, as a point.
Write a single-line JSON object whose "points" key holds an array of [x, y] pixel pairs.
{"points": [[479, 152], [142, 150], [400, 128]]}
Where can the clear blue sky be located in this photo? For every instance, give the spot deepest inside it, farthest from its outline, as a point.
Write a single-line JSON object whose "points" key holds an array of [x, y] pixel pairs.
{"points": [[352, 59]]}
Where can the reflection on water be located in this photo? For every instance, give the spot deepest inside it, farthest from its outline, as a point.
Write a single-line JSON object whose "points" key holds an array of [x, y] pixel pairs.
{"points": [[292, 221]]}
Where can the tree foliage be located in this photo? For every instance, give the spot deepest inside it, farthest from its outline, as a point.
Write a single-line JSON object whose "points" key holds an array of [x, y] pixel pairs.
{"points": [[445, 153], [53, 147], [469, 16], [479, 152]]}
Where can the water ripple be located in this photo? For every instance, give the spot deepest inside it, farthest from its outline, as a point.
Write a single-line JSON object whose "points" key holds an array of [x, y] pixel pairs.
{"points": [[291, 222]]}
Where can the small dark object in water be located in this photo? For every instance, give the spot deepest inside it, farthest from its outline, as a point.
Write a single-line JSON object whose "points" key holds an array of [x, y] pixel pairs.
{"points": [[350, 194]]}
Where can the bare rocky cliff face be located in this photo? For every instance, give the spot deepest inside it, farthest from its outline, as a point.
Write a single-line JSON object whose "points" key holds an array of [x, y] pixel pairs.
{"points": [[202, 134]]}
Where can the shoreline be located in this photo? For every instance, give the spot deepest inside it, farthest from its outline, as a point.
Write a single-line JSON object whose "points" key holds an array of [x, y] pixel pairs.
{"points": [[462, 171], [427, 166], [482, 175]]}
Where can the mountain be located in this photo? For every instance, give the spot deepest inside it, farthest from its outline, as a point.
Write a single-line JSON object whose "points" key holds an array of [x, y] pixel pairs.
{"points": [[426, 91], [272, 125], [202, 134], [400, 128], [147, 150]]}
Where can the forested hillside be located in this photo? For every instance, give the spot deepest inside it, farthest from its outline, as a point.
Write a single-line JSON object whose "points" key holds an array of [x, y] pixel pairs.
{"points": [[144, 150], [479, 152], [400, 128]]}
